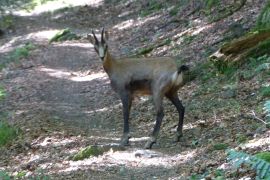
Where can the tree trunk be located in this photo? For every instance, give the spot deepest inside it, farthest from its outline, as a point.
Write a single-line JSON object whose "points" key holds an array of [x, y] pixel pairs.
{"points": [[236, 52]]}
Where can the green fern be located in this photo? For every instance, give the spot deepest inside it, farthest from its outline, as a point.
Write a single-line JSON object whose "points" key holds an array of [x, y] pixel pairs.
{"points": [[267, 108], [263, 20], [262, 167]]}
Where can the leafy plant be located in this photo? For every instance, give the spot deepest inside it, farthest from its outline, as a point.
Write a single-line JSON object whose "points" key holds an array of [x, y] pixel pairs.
{"points": [[4, 175], [7, 132], [261, 166], [264, 155], [21, 174]]}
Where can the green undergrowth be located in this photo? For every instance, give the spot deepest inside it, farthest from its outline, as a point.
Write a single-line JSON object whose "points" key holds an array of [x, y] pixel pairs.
{"points": [[239, 164], [7, 133], [2, 93], [151, 7], [220, 146], [7, 22], [263, 20], [221, 92], [17, 54], [264, 156], [257, 162], [150, 48]]}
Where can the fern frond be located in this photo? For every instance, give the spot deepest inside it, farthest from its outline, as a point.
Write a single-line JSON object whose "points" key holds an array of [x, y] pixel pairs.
{"points": [[262, 167], [267, 108]]}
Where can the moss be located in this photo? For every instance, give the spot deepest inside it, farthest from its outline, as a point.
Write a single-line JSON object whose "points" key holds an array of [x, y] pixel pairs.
{"points": [[87, 152], [64, 35], [264, 155], [220, 146]]}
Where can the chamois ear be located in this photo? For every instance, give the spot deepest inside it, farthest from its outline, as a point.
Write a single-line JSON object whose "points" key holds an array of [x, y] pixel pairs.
{"points": [[91, 38], [104, 34]]}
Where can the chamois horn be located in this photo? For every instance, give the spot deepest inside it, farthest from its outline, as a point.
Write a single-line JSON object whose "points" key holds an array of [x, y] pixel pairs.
{"points": [[102, 35], [94, 36]]}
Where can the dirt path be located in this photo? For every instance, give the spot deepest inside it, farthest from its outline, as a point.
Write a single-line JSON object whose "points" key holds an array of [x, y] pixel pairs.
{"points": [[62, 100], [61, 96]]}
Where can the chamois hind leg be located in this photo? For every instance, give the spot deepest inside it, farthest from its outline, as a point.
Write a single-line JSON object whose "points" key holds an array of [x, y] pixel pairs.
{"points": [[160, 114], [181, 111], [126, 102]]}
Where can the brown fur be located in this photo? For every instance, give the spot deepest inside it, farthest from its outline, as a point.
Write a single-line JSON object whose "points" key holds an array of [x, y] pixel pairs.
{"points": [[157, 76]]}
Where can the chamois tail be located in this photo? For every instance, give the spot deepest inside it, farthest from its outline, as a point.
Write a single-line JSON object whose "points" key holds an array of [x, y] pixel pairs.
{"points": [[182, 68], [177, 77]]}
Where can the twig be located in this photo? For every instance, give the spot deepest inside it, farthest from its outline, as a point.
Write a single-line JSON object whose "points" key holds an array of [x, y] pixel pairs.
{"points": [[255, 117]]}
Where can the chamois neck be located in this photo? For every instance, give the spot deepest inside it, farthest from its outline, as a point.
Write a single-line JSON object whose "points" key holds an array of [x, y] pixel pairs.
{"points": [[108, 62]]}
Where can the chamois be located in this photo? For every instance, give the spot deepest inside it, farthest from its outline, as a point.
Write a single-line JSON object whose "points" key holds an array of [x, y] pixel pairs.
{"points": [[156, 76]]}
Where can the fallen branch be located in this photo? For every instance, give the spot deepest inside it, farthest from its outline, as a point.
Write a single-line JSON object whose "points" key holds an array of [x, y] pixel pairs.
{"points": [[252, 115]]}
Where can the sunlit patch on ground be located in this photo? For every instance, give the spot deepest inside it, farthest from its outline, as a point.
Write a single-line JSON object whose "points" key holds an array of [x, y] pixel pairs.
{"points": [[58, 4], [134, 23], [73, 76], [258, 142]]}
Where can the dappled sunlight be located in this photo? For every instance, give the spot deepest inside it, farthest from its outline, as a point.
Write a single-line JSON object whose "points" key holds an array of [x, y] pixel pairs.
{"points": [[105, 109], [43, 35], [134, 23], [132, 158], [38, 36], [58, 4], [75, 44], [71, 75], [193, 31], [257, 142], [9, 45]]}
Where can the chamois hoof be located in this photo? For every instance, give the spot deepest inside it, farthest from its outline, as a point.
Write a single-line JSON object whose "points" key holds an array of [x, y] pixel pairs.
{"points": [[150, 143], [177, 137], [125, 140]]}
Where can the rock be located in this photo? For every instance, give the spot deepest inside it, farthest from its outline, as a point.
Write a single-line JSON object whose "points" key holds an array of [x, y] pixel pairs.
{"points": [[229, 93]]}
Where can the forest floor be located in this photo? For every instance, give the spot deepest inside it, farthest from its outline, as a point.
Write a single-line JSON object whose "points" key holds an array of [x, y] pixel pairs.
{"points": [[61, 100]]}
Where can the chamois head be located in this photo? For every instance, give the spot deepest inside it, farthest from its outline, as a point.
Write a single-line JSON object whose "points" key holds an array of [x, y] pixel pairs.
{"points": [[101, 46]]}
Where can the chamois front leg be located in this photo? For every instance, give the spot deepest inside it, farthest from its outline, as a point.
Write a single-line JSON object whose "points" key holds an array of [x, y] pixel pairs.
{"points": [[126, 102], [159, 117], [181, 111]]}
